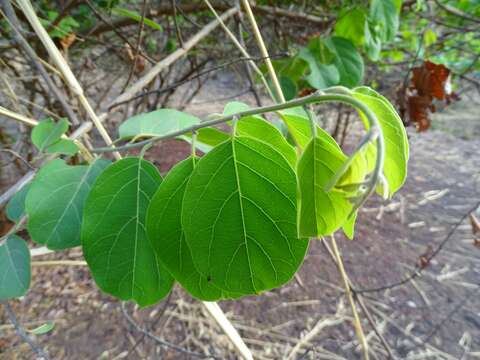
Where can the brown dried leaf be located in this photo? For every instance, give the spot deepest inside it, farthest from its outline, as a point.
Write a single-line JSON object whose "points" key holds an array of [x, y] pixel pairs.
{"points": [[67, 41], [430, 79]]}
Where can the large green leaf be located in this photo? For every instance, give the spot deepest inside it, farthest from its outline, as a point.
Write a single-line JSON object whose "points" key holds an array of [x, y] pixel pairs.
{"points": [[257, 127], [287, 85], [292, 67], [207, 138], [298, 125], [239, 217], [16, 206], [373, 42], [164, 229], [55, 201], [46, 136], [114, 237], [385, 14], [62, 146], [262, 130], [14, 268], [323, 73], [48, 132], [321, 212], [156, 123], [396, 141], [348, 61], [351, 25]]}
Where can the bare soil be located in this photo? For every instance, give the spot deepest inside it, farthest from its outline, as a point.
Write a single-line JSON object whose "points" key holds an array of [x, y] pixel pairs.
{"points": [[436, 316]]}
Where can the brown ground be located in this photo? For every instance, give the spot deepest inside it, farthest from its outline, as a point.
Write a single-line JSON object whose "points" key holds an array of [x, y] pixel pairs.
{"points": [[435, 317]]}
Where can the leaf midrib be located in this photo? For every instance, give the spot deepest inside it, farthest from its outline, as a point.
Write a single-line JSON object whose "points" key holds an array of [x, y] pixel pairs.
{"points": [[240, 197]]}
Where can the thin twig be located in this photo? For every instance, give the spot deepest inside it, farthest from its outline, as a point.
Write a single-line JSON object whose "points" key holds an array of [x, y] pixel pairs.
{"points": [[188, 79], [115, 30], [137, 47], [161, 341], [70, 78], [170, 59], [357, 324], [22, 333], [418, 269], [264, 51], [242, 49], [15, 27], [7, 195]]}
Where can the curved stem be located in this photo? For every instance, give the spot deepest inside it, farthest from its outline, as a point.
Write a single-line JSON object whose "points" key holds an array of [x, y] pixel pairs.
{"points": [[334, 94]]}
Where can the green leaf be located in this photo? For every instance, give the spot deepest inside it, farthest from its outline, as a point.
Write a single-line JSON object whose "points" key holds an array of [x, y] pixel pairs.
{"points": [[396, 141], [351, 25], [14, 268], [62, 146], [207, 138], [373, 43], [137, 17], [298, 125], [235, 107], [349, 226], [156, 123], [48, 132], [322, 72], [294, 68], [114, 238], [348, 61], [55, 201], [239, 217], [385, 14], [262, 130], [43, 329], [16, 206], [164, 230], [288, 86], [321, 212], [257, 127], [429, 37]]}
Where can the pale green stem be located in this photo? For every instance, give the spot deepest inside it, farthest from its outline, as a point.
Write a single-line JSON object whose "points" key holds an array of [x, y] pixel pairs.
{"points": [[193, 144], [367, 139], [318, 97]]}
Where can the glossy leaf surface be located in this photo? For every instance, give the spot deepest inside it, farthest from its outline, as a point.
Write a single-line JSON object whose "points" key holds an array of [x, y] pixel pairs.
{"points": [[114, 237], [164, 229], [395, 136], [16, 206], [55, 202], [14, 268], [322, 213], [156, 123], [239, 217]]}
